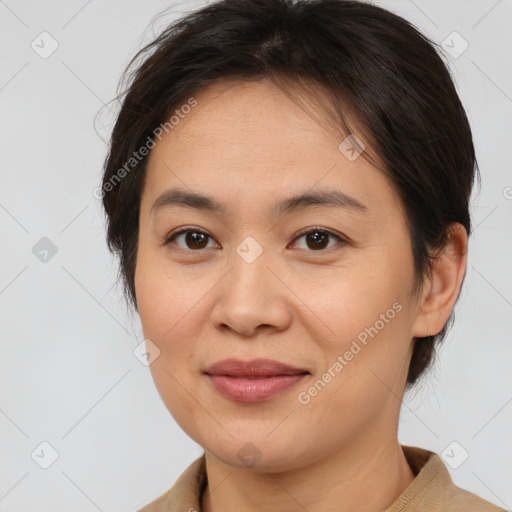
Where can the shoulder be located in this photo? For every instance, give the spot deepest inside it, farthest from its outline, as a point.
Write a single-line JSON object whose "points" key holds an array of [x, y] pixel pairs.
{"points": [[461, 500], [433, 489]]}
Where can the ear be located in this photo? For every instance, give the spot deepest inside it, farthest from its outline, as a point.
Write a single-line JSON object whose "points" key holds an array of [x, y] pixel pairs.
{"points": [[441, 289]]}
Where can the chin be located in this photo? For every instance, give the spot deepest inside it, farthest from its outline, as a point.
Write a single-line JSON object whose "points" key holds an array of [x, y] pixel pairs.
{"points": [[259, 455]]}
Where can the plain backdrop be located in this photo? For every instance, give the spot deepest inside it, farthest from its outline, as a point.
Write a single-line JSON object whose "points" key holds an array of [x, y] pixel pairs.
{"points": [[68, 375]]}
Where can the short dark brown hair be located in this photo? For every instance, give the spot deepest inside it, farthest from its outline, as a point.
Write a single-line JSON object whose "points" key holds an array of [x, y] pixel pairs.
{"points": [[370, 62]]}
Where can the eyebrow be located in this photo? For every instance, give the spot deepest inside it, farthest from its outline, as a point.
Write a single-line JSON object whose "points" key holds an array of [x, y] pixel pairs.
{"points": [[329, 197]]}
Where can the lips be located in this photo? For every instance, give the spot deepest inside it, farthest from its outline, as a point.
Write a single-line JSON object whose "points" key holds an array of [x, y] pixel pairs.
{"points": [[253, 369], [253, 381]]}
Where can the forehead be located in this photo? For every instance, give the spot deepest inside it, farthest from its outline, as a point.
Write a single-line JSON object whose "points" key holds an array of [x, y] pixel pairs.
{"points": [[251, 140], [241, 113]]}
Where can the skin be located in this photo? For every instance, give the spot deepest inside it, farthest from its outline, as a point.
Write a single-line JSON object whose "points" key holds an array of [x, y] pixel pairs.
{"points": [[249, 146]]}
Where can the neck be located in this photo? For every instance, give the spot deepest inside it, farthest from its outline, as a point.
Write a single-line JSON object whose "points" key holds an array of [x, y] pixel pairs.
{"points": [[365, 477]]}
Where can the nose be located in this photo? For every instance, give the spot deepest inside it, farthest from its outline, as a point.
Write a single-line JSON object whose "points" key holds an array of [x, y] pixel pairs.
{"points": [[252, 296]]}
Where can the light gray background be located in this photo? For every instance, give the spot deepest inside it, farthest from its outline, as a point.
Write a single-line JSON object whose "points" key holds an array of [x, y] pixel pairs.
{"points": [[68, 375]]}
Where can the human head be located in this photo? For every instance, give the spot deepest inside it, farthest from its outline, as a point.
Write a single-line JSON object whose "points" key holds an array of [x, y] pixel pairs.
{"points": [[372, 72]]}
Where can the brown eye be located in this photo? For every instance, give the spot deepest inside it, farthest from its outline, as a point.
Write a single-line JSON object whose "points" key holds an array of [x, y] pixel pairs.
{"points": [[194, 239], [318, 239]]}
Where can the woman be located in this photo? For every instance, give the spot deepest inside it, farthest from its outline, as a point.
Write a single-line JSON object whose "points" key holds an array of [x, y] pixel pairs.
{"points": [[287, 189]]}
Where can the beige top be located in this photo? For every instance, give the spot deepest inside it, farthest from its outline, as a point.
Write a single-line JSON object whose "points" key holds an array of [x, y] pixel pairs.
{"points": [[431, 491]]}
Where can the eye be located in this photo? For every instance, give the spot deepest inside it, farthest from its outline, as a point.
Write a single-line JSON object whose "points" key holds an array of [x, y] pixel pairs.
{"points": [[316, 238], [194, 239]]}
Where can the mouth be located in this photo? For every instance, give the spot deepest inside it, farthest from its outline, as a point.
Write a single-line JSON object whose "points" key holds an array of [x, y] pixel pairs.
{"points": [[253, 368], [257, 377], [253, 381], [254, 389]]}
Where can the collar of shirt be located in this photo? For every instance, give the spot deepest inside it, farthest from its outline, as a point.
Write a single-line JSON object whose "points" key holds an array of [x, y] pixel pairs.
{"points": [[432, 490]]}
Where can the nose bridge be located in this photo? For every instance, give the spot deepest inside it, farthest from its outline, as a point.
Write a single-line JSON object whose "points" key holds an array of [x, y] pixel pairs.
{"points": [[249, 266], [249, 250], [248, 298]]}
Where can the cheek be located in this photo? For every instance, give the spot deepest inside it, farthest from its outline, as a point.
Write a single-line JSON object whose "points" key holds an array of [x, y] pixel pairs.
{"points": [[173, 309], [168, 308], [362, 371], [165, 297], [365, 344], [358, 298]]}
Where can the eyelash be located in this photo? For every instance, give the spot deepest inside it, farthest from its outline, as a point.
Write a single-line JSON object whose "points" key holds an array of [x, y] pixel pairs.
{"points": [[301, 233]]}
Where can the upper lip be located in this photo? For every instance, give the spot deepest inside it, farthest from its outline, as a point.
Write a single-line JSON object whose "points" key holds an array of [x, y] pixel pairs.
{"points": [[254, 367]]}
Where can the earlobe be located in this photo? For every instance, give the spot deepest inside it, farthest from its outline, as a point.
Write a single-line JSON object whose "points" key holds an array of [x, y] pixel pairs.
{"points": [[443, 286]]}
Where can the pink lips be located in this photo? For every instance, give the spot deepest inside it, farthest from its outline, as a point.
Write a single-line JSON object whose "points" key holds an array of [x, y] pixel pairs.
{"points": [[253, 381]]}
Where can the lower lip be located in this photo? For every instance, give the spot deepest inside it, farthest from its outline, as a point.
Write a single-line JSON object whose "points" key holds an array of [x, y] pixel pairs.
{"points": [[242, 389]]}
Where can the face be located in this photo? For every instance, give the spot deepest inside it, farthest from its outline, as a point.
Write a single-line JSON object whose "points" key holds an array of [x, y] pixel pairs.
{"points": [[326, 288]]}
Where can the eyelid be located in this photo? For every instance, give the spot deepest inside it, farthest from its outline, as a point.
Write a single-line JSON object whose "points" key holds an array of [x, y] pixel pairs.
{"points": [[321, 228], [342, 240], [185, 229]]}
